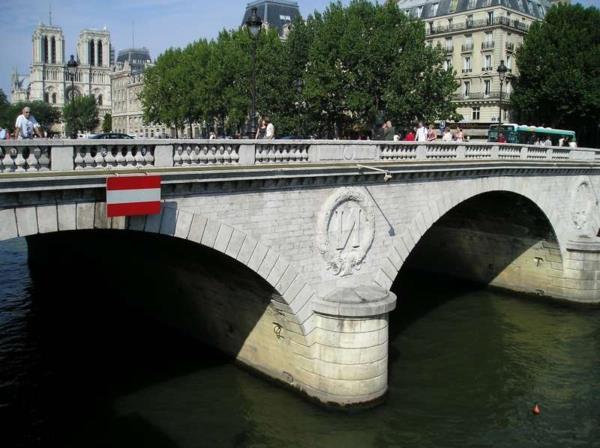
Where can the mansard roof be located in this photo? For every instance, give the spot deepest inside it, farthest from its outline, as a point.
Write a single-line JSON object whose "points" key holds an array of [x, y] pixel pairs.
{"points": [[274, 12], [535, 8]]}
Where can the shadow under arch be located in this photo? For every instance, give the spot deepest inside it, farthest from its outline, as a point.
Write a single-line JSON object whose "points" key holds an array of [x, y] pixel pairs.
{"points": [[292, 294]]}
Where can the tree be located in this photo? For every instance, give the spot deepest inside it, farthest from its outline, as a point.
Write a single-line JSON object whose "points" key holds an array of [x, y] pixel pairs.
{"points": [[80, 115], [368, 60], [107, 123], [559, 72], [5, 121]]}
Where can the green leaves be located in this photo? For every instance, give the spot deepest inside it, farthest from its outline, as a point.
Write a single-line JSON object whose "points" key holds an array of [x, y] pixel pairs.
{"points": [[80, 114], [336, 72], [559, 72]]}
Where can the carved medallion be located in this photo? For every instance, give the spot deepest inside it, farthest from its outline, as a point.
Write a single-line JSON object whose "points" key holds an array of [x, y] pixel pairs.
{"points": [[346, 230], [582, 204]]}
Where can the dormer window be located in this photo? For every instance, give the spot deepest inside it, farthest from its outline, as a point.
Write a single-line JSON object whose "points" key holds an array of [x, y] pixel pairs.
{"points": [[434, 9]]}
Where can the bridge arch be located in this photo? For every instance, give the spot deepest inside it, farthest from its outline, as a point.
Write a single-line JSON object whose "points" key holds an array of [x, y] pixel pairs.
{"points": [[294, 291], [404, 244]]}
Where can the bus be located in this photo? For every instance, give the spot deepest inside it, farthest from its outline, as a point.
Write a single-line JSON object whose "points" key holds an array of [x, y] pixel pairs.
{"points": [[520, 133]]}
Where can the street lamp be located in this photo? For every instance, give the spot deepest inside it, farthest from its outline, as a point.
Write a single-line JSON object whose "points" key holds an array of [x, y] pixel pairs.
{"points": [[254, 25], [72, 71], [502, 69], [299, 83]]}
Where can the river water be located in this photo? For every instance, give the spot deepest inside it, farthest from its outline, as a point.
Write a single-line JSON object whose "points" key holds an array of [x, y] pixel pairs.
{"points": [[466, 367]]}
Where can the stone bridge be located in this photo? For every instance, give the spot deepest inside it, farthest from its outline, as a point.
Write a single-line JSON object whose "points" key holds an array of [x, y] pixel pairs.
{"points": [[283, 254]]}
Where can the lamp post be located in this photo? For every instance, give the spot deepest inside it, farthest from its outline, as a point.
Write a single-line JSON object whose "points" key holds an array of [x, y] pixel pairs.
{"points": [[502, 69], [299, 83], [254, 25], [72, 71]]}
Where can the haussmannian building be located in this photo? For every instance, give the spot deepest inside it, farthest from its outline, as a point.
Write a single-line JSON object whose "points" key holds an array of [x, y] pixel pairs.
{"points": [[475, 36]]}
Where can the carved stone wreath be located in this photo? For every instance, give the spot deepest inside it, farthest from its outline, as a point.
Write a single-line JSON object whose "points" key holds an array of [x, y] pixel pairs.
{"points": [[582, 204], [346, 228]]}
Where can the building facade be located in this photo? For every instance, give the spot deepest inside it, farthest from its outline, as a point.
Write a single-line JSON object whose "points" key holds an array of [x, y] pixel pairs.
{"points": [[277, 14], [48, 79], [476, 35]]}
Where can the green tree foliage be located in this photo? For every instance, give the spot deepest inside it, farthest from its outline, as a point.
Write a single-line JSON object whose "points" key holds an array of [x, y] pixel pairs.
{"points": [[335, 72], [5, 121], [559, 72], [80, 115], [107, 123]]}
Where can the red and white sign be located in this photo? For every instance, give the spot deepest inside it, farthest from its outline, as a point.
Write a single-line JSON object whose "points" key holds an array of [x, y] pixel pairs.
{"points": [[132, 195]]}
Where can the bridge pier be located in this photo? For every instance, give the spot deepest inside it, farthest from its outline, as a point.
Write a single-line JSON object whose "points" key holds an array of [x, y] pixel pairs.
{"points": [[351, 344]]}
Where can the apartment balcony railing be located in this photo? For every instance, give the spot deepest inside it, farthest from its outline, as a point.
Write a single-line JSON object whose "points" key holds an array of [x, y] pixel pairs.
{"points": [[449, 49], [487, 45], [467, 70], [510, 46], [493, 95], [502, 21], [466, 47], [487, 69]]}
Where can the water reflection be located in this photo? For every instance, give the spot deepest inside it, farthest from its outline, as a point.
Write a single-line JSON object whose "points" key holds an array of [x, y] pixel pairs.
{"points": [[465, 368]]}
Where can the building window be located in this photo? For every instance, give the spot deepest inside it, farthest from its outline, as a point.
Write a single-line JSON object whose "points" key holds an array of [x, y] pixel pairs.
{"points": [[448, 64], [99, 46], [45, 49], [469, 21], [46, 100], [419, 11], [453, 4], [471, 5], [54, 98], [53, 50], [449, 44], [488, 62], [434, 9], [467, 89], [91, 52], [476, 113], [487, 87], [467, 64], [490, 17], [99, 100], [509, 62]]}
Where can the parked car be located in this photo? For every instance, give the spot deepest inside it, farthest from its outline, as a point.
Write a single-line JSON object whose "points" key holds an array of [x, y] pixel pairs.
{"points": [[110, 135]]}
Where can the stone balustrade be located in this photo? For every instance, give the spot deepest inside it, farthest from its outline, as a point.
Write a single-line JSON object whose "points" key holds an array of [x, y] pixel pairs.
{"points": [[18, 156]]}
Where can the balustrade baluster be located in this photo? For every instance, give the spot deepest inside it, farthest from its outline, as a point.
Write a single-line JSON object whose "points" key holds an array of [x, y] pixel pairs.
{"points": [[8, 160], [120, 157], [177, 156], [149, 156], [139, 156], [20, 160], [32, 162], [109, 157], [219, 155], [203, 158], [235, 157], [212, 155], [2, 151], [129, 159], [79, 158], [99, 159], [185, 156], [195, 155], [88, 159]]}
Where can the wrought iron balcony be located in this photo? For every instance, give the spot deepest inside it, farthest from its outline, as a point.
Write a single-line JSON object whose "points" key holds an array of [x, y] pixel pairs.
{"points": [[487, 45], [467, 47], [472, 24]]}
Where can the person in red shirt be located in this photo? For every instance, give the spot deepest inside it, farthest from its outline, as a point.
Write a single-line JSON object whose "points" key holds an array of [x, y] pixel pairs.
{"points": [[410, 136], [501, 138]]}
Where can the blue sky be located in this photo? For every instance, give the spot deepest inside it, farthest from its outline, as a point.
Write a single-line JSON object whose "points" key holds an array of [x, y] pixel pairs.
{"points": [[159, 24]]}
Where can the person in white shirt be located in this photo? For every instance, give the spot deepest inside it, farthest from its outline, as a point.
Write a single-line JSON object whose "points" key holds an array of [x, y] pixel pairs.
{"points": [[26, 125], [447, 137], [547, 142], [421, 133], [270, 133]]}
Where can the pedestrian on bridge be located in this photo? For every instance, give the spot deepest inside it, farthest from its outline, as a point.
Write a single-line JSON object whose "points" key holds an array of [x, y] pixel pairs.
{"points": [[26, 125]]}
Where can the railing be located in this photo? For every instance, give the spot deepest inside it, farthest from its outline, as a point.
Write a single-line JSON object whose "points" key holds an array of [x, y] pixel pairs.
{"points": [[493, 95], [510, 46], [487, 45], [471, 24], [32, 156], [466, 47]]}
